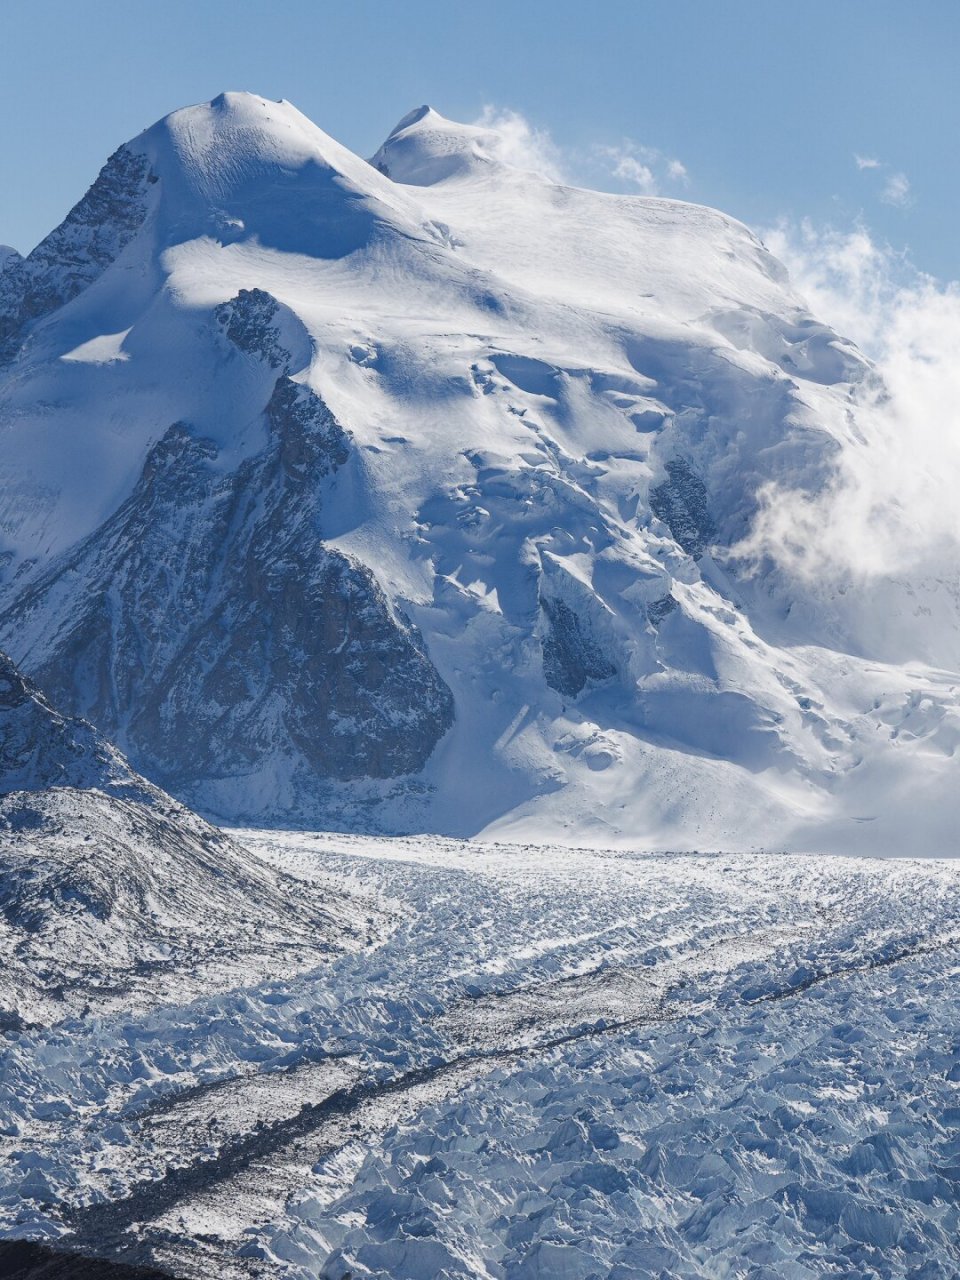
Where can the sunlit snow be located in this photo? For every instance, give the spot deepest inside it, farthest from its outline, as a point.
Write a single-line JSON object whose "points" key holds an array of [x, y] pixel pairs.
{"points": [[434, 501]]}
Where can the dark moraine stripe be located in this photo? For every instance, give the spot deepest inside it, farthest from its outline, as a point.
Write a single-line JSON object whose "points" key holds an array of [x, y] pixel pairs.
{"points": [[27, 1260]]}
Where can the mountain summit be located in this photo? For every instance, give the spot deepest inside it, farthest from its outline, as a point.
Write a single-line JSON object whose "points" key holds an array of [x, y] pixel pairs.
{"points": [[409, 494], [425, 148]]}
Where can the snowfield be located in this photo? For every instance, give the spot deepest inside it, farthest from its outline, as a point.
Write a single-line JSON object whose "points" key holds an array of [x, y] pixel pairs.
{"points": [[548, 1063]]}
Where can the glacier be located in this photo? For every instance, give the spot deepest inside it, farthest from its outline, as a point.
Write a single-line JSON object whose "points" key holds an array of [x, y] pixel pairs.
{"points": [[543, 1063]]}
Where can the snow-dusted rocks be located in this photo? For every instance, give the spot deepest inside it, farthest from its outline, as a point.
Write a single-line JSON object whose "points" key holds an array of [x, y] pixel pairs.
{"points": [[517, 562], [215, 633], [39, 748], [113, 895], [72, 257]]}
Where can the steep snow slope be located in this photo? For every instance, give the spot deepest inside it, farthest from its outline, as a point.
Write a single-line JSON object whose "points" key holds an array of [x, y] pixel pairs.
{"points": [[408, 494], [112, 895]]}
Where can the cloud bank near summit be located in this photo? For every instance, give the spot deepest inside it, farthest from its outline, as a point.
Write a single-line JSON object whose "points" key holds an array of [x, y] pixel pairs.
{"points": [[892, 507]]}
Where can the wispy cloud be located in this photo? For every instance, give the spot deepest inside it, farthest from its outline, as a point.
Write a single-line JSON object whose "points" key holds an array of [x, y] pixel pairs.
{"points": [[625, 163], [514, 140], [896, 191], [646, 169]]}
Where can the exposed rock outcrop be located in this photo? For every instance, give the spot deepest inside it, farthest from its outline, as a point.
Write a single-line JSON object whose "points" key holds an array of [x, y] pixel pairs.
{"points": [[90, 238], [112, 893], [219, 636]]}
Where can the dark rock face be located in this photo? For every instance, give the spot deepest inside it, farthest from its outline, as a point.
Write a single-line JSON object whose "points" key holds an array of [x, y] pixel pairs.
{"points": [[28, 1260], [250, 322], [90, 238], [681, 503], [311, 443], [659, 609], [570, 656], [210, 632]]}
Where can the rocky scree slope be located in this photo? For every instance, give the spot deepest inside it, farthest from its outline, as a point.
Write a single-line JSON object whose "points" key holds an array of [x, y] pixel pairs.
{"points": [[113, 895]]}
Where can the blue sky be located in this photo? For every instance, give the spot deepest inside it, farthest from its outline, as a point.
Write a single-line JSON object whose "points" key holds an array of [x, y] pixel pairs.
{"points": [[766, 106]]}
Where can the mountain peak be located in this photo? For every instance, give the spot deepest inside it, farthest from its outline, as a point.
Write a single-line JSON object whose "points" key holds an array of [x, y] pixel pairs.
{"points": [[239, 167], [425, 148], [456, 477], [236, 139], [413, 117]]}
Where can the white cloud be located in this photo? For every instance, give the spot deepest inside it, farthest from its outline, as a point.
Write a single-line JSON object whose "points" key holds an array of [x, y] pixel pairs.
{"points": [[896, 188], [644, 168], [892, 507], [512, 139], [515, 141], [630, 169], [896, 191]]}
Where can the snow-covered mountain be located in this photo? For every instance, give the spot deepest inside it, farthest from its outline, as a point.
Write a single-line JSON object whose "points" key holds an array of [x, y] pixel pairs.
{"points": [[408, 494], [113, 895]]}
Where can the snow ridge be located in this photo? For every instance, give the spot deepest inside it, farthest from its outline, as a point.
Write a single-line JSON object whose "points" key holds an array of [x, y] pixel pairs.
{"points": [[90, 239]]}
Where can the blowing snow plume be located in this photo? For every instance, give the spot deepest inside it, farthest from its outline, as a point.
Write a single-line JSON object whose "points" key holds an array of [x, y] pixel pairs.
{"points": [[888, 520]]}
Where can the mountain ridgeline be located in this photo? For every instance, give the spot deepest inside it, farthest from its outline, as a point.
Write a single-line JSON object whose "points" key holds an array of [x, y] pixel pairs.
{"points": [[218, 629]]}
